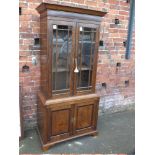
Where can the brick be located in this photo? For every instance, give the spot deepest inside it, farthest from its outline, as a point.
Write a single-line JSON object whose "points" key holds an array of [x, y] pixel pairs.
{"points": [[124, 8], [36, 30], [23, 4], [25, 29], [123, 3], [33, 5], [35, 18], [115, 12], [125, 13], [34, 24], [29, 12], [23, 24], [26, 35], [115, 7], [20, 41], [78, 1], [25, 17], [24, 47], [113, 30], [91, 3], [114, 35], [34, 1], [28, 41]]}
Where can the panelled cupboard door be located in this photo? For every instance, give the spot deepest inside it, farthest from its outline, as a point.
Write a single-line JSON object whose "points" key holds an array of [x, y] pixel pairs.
{"points": [[85, 117], [86, 57], [59, 122], [62, 44]]}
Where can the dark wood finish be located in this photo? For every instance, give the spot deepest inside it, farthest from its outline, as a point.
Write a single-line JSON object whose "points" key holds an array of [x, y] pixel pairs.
{"points": [[60, 123], [45, 6], [46, 146], [84, 116], [71, 16], [68, 23], [71, 112], [68, 118], [95, 60], [44, 56], [93, 77]]}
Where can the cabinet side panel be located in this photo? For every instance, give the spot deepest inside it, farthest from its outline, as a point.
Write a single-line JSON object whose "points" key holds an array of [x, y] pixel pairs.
{"points": [[41, 120], [96, 114], [95, 59], [43, 54]]}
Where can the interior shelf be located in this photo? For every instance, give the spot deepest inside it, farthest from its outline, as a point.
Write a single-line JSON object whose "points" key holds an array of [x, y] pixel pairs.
{"points": [[67, 70]]}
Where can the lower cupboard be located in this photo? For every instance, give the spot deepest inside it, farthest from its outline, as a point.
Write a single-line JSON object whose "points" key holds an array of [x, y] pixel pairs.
{"points": [[66, 118]]}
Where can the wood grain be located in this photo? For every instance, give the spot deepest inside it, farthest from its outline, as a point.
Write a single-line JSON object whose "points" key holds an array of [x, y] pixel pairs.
{"points": [[45, 6], [64, 115]]}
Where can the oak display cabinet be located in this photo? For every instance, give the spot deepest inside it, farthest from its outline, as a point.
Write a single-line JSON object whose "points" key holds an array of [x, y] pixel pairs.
{"points": [[68, 105]]}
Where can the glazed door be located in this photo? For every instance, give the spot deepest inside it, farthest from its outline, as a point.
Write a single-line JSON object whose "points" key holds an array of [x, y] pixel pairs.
{"points": [[86, 57], [62, 40], [85, 117], [73, 57], [60, 122]]}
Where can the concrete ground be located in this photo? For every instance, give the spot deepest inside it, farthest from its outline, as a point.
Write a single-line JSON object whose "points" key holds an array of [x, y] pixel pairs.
{"points": [[116, 135]]}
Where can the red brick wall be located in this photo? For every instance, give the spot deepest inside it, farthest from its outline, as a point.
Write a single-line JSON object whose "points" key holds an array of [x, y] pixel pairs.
{"points": [[116, 95]]}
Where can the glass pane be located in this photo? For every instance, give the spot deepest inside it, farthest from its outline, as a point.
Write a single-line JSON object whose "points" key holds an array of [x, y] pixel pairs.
{"points": [[61, 80], [84, 78], [85, 55], [62, 46]]}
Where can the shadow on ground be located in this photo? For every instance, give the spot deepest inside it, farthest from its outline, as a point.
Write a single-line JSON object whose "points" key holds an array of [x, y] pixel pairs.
{"points": [[116, 135]]}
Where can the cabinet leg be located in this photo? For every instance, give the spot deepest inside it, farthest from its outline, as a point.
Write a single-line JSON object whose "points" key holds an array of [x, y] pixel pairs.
{"points": [[45, 148], [94, 134]]}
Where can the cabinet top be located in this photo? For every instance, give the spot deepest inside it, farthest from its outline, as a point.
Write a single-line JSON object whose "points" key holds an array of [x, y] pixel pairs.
{"points": [[46, 6]]}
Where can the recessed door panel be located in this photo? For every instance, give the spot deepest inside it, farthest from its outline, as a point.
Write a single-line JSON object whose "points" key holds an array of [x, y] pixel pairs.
{"points": [[59, 122], [85, 117]]}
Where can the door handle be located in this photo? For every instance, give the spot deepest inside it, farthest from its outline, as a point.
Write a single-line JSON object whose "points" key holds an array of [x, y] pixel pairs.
{"points": [[76, 69]]}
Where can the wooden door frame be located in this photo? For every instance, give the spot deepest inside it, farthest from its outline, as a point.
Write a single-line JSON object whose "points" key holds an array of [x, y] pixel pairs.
{"points": [[50, 51], [75, 37], [93, 82]]}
